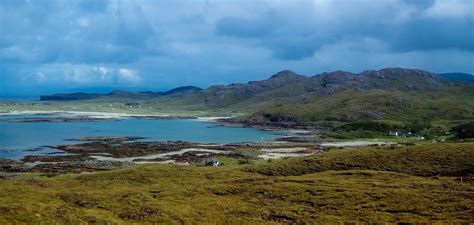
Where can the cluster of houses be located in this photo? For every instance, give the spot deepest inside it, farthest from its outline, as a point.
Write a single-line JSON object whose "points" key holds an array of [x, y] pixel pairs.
{"points": [[133, 105], [405, 134]]}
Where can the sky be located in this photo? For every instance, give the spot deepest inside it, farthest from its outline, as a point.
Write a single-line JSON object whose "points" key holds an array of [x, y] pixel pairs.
{"points": [[61, 45]]}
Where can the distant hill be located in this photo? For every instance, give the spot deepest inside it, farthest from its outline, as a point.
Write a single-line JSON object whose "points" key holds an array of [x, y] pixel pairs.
{"points": [[181, 90], [458, 77], [69, 97], [119, 93]]}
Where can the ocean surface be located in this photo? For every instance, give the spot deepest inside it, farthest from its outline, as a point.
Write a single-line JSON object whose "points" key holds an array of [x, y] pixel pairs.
{"points": [[28, 98], [18, 139]]}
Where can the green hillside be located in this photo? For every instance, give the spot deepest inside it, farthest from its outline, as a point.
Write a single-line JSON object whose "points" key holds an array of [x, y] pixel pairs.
{"points": [[390, 94], [376, 104]]}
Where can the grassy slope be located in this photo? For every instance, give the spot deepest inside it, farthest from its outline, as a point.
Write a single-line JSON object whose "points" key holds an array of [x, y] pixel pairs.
{"points": [[389, 104], [240, 193], [424, 160]]}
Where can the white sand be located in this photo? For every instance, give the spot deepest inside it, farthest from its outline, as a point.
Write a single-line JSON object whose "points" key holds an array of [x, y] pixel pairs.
{"points": [[293, 131], [276, 153], [283, 150], [283, 155], [161, 155], [101, 115], [150, 162], [106, 115], [211, 118]]}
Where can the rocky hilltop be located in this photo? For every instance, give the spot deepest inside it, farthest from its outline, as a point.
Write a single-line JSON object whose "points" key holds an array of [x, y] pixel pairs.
{"points": [[288, 84], [389, 78], [225, 95]]}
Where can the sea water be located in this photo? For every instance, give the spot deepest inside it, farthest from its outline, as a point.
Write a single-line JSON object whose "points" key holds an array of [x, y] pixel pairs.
{"points": [[18, 139]]}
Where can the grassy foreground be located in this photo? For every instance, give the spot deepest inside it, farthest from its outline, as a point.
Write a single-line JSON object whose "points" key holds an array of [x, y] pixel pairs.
{"points": [[358, 185]]}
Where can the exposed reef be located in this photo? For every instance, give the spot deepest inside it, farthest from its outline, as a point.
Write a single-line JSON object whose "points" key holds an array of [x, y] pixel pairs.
{"points": [[110, 152]]}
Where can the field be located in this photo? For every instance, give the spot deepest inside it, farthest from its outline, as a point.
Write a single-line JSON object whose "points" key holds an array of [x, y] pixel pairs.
{"points": [[421, 183]]}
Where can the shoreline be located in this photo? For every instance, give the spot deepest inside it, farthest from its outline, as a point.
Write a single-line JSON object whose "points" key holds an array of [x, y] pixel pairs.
{"points": [[109, 115], [108, 153]]}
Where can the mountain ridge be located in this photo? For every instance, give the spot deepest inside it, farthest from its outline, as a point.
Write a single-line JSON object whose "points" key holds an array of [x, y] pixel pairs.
{"points": [[328, 83], [336, 78]]}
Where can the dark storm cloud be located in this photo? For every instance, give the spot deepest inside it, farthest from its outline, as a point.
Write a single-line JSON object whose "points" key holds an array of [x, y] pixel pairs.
{"points": [[168, 43], [74, 31], [409, 30], [430, 35]]}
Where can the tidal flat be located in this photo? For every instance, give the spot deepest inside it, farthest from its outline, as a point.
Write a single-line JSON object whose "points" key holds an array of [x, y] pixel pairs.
{"points": [[89, 141]]}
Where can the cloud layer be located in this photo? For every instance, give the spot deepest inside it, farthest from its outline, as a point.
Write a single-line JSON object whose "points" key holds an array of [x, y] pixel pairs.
{"points": [[161, 44]]}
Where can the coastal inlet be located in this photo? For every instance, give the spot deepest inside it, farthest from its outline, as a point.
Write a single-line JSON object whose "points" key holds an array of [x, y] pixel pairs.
{"points": [[42, 142]]}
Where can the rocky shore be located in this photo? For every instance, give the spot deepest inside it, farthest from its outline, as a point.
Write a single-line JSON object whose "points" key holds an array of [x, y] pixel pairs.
{"points": [[8, 165], [110, 152], [118, 148]]}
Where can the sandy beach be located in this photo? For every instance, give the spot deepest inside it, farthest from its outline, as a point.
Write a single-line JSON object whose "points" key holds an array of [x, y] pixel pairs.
{"points": [[101, 115]]}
